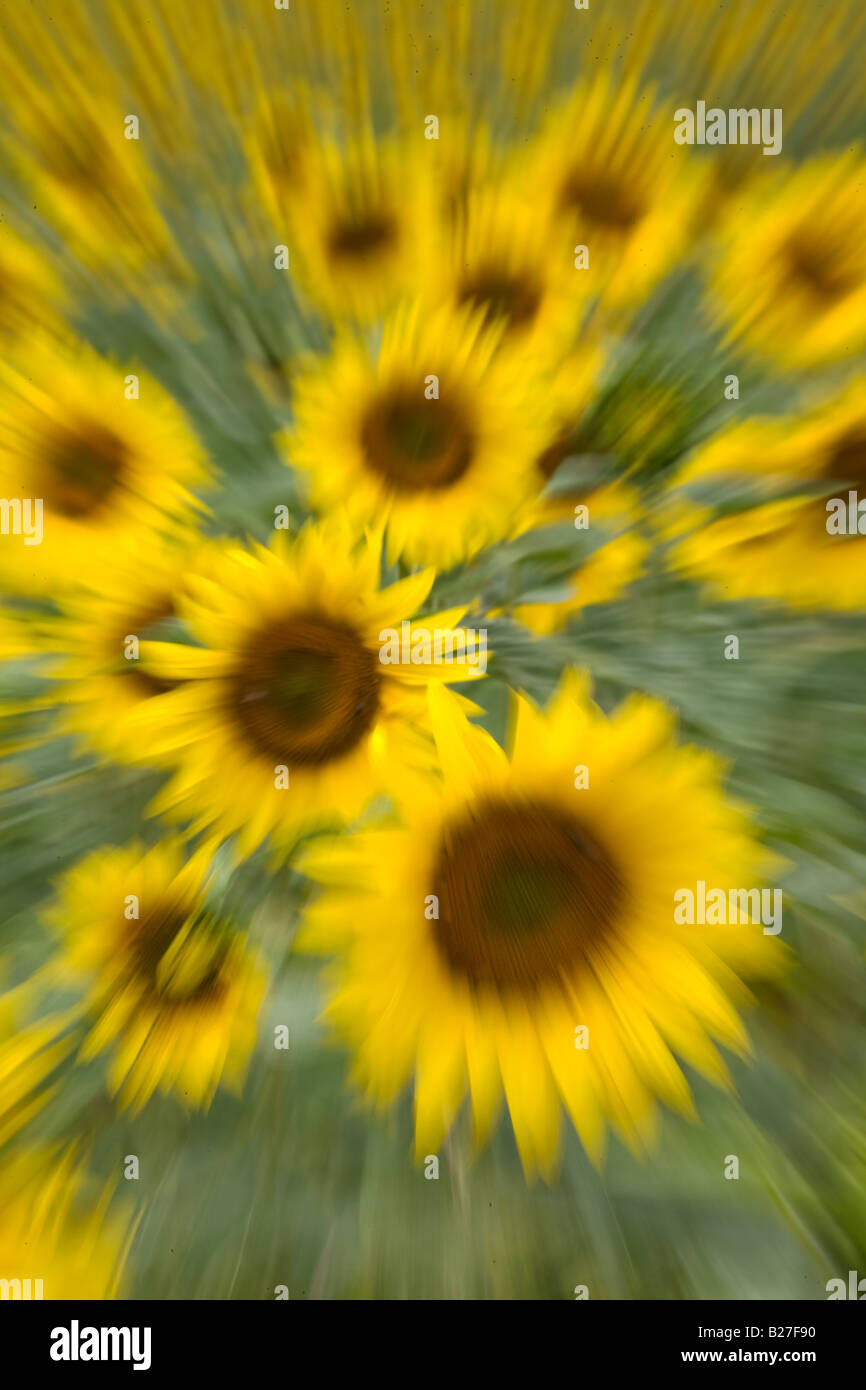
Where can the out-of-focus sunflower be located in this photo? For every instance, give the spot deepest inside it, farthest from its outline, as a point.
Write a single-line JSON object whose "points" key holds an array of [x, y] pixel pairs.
{"points": [[280, 143], [790, 276], [437, 436], [500, 257], [465, 157], [175, 992], [286, 716], [54, 1231], [98, 633], [604, 166], [526, 902], [569, 389], [789, 548], [102, 466], [824, 445], [30, 290], [91, 180], [781, 550], [360, 224]]}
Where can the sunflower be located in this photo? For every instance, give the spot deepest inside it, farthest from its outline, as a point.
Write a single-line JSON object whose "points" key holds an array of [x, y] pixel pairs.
{"points": [[464, 158], [436, 436], [30, 291], [603, 166], [95, 639], [529, 908], [359, 224], [499, 257], [98, 466], [174, 990], [92, 181], [781, 550], [279, 145], [790, 275], [287, 714], [58, 1238], [824, 446], [787, 547]]}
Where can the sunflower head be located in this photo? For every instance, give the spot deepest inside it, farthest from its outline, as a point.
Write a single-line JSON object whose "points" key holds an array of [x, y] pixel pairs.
{"points": [[104, 468], [532, 902], [309, 694], [790, 273], [93, 642], [501, 256], [603, 167], [359, 223], [96, 187], [285, 714], [278, 147], [436, 436], [174, 992], [796, 471], [525, 893]]}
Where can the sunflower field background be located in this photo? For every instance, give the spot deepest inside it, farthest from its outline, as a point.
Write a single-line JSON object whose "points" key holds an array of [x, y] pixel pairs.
{"points": [[338, 317]]}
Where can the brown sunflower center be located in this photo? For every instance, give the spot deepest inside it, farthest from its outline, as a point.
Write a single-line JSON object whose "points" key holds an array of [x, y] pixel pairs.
{"points": [[608, 202], [75, 157], [180, 959], [819, 267], [847, 462], [307, 692], [82, 469], [526, 895], [417, 444], [283, 148], [502, 294], [14, 297], [557, 452], [361, 235]]}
